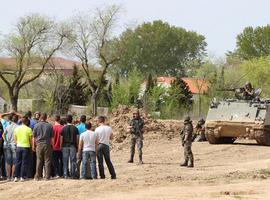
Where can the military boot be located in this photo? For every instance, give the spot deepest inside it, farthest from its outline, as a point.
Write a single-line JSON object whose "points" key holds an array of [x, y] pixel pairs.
{"points": [[131, 156], [191, 162], [140, 160], [131, 159], [184, 164]]}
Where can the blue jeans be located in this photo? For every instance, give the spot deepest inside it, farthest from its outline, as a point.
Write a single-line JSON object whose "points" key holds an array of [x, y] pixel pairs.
{"points": [[10, 154], [86, 156], [22, 157], [104, 151], [69, 154]]}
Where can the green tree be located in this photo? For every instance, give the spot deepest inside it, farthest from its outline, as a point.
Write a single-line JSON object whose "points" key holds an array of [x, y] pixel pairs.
{"points": [[253, 42], [78, 90], [127, 91], [180, 93], [257, 72], [160, 49], [154, 99], [150, 83], [178, 100]]}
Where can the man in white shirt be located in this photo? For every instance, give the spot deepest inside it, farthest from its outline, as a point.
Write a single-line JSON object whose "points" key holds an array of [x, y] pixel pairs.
{"points": [[104, 135], [88, 145]]}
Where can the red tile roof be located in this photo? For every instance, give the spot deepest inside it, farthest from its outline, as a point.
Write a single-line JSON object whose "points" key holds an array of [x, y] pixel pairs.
{"points": [[195, 85], [55, 63], [167, 80]]}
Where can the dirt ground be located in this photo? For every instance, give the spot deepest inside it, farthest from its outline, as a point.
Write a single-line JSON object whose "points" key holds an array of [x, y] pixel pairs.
{"points": [[238, 171]]}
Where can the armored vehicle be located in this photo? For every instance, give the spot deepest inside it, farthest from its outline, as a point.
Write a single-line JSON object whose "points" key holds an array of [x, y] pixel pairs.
{"points": [[230, 119]]}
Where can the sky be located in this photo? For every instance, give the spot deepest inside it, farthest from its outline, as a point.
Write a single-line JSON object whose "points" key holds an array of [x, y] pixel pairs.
{"points": [[220, 21]]}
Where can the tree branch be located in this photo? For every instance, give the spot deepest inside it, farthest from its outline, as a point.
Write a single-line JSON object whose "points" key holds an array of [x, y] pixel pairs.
{"points": [[44, 63], [5, 80]]}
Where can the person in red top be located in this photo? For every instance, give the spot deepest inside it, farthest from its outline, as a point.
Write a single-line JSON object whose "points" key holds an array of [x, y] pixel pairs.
{"points": [[57, 153]]}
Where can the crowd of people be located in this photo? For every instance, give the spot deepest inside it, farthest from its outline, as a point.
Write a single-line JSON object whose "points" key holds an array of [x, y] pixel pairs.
{"points": [[31, 147]]}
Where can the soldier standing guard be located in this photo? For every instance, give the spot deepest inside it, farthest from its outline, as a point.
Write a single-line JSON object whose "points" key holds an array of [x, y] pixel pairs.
{"points": [[186, 136], [136, 129]]}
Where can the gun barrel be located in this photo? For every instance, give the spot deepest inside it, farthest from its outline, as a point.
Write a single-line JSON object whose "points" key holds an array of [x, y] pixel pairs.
{"points": [[237, 90], [227, 89]]}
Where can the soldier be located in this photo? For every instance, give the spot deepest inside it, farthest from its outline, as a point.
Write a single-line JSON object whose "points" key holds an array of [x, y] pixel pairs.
{"points": [[136, 130], [186, 136], [200, 131], [248, 93]]}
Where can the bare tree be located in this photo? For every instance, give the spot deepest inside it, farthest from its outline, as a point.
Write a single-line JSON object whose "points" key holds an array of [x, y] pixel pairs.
{"points": [[34, 41], [92, 42]]}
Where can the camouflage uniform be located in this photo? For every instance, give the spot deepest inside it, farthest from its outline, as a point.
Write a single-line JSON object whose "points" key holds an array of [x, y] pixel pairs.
{"points": [[136, 137], [186, 136], [200, 131]]}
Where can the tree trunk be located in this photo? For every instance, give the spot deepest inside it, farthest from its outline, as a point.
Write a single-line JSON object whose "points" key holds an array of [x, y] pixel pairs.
{"points": [[14, 95], [200, 105], [94, 103], [14, 103]]}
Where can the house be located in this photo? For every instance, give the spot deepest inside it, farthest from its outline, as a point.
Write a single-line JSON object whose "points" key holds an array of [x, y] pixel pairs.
{"points": [[55, 64], [196, 85]]}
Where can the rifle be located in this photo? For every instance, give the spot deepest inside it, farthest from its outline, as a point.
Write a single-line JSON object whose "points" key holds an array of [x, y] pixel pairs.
{"points": [[182, 137], [236, 90]]}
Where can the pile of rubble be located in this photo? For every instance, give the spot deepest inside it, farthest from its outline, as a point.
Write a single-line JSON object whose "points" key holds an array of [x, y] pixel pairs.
{"points": [[121, 116]]}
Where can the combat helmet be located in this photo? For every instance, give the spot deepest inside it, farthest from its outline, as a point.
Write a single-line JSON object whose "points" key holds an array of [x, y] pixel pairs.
{"points": [[201, 120], [248, 85], [187, 119]]}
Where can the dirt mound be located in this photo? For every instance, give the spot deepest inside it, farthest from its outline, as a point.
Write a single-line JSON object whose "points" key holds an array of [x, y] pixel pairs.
{"points": [[121, 116]]}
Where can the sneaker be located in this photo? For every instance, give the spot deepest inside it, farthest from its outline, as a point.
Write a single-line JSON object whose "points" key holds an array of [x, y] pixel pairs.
{"points": [[130, 161], [36, 179], [22, 179], [16, 179]]}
